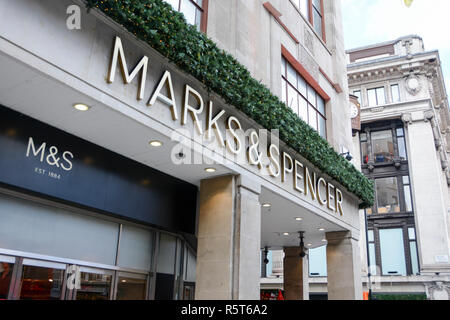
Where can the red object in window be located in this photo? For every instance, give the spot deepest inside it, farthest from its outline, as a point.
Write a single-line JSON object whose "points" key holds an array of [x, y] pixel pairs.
{"points": [[280, 295]]}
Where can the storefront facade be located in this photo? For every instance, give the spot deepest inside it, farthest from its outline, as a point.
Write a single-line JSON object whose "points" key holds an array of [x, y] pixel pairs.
{"points": [[124, 177]]}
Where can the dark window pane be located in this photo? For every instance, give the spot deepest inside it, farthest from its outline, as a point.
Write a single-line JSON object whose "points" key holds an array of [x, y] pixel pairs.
{"points": [[131, 288], [387, 195], [5, 279], [40, 283], [383, 146], [364, 152], [94, 287]]}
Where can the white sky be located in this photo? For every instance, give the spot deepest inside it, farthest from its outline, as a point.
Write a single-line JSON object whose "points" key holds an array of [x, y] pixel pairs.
{"points": [[371, 21]]}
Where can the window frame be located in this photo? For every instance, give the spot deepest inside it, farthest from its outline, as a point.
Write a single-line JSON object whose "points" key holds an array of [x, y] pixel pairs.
{"points": [[310, 17], [309, 105], [203, 9], [375, 227], [376, 96]]}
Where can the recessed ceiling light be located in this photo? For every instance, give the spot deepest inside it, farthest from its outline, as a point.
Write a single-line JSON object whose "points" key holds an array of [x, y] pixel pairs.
{"points": [[286, 234], [266, 205], [156, 143], [309, 244], [81, 107], [324, 240], [210, 170], [298, 219], [321, 229]]}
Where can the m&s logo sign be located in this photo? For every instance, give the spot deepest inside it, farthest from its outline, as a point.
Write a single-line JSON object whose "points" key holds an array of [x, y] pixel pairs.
{"points": [[51, 155]]}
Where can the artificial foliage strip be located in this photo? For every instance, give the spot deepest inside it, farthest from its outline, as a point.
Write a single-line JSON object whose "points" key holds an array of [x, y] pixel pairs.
{"points": [[166, 30]]}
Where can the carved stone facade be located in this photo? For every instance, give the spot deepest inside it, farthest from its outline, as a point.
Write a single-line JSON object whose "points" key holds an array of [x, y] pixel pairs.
{"points": [[404, 85]]}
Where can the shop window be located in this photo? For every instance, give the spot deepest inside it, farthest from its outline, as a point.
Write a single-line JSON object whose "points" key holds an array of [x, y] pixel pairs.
{"points": [[395, 93], [387, 195], [376, 96], [135, 248], [312, 10], [383, 146], [131, 287], [193, 11], [94, 286], [392, 252], [39, 282], [6, 268], [302, 98], [165, 269]]}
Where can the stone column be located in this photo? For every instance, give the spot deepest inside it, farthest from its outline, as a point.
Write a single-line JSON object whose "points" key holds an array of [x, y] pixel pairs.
{"points": [[295, 275], [428, 181], [343, 267], [229, 237]]}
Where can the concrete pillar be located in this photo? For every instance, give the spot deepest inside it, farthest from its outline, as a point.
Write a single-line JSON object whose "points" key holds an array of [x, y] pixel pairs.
{"points": [[430, 211], [229, 237], [343, 267], [295, 275]]}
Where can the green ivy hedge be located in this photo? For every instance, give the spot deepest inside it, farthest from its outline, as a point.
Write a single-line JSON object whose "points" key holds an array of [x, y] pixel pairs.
{"points": [[165, 30]]}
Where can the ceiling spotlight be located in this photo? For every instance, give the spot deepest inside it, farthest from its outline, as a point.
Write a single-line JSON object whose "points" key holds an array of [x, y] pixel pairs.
{"points": [[309, 244], [324, 240], [298, 219], [286, 234], [155, 143], [81, 107], [266, 205], [210, 170], [321, 229]]}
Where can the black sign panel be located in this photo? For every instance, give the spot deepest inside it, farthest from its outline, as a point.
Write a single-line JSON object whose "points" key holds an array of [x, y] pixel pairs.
{"points": [[48, 161]]}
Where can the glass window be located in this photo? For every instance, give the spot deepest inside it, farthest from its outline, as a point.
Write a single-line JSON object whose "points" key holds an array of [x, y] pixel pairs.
{"points": [[292, 99], [392, 252], [94, 286], [56, 232], [41, 283], [387, 195], [317, 13], [303, 109], [395, 92], [370, 236], [131, 288], [381, 96], [407, 194], [191, 9], [411, 234], [303, 5], [376, 96], [358, 94], [372, 259], [414, 257], [6, 268], [303, 99], [318, 262], [402, 148], [383, 146], [135, 248]]}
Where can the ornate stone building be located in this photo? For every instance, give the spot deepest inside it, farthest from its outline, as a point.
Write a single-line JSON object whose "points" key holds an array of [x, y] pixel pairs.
{"points": [[404, 147]]}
